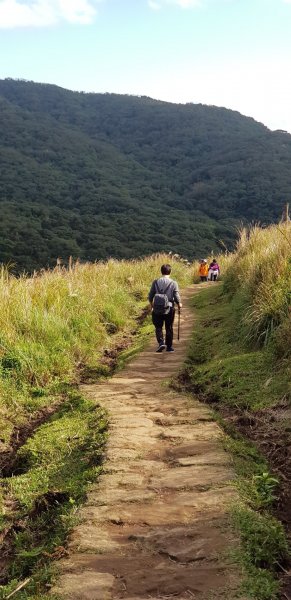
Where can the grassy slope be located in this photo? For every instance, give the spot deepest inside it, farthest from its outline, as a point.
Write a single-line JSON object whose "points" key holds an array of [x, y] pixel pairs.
{"points": [[236, 382], [239, 362], [224, 369], [55, 327], [59, 323]]}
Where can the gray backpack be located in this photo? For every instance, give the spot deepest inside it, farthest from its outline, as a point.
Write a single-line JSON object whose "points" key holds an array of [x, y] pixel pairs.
{"points": [[161, 305]]}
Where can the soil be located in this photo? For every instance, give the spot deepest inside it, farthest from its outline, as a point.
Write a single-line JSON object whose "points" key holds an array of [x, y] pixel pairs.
{"points": [[156, 523]]}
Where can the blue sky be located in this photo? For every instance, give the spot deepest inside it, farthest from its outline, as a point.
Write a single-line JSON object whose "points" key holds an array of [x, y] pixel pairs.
{"points": [[232, 53]]}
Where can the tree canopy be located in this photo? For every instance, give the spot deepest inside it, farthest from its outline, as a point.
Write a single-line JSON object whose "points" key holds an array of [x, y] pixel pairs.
{"points": [[99, 175]]}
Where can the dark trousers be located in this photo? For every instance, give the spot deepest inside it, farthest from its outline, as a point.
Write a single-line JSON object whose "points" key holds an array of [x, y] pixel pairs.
{"points": [[203, 277], [159, 321]]}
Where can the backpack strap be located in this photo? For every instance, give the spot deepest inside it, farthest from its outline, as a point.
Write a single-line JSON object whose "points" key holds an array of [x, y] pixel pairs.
{"points": [[158, 291], [157, 287], [167, 288]]}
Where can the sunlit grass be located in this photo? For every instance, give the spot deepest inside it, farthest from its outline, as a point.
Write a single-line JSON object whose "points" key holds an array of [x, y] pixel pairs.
{"points": [[57, 322], [259, 281], [239, 362], [55, 328]]}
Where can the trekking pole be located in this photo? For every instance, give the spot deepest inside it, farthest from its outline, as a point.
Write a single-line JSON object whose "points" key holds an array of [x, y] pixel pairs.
{"points": [[179, 320]]}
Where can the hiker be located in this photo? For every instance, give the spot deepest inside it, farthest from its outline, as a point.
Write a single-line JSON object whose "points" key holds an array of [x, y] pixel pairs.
{"points": [[203, 270], [214, 270], [163, 296]]}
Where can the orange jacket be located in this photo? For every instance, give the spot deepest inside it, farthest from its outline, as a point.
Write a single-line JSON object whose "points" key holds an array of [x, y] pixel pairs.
{"points": [[203, 270]]}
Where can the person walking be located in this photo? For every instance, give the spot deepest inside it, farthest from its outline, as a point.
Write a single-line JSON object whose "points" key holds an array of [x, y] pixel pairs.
{"points": [[163, 295], [203, 270], [214, 270]]}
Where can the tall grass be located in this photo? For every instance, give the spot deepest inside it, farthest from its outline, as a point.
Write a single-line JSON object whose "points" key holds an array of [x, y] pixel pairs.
{"points": [[240, 362], [56, 322], [54, 326], [258, 279]]}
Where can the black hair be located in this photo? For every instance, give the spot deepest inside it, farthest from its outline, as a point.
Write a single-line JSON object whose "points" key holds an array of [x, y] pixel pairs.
{"points": [[166, 269]]}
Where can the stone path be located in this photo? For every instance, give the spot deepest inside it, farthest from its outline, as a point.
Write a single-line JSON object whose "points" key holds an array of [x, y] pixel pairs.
{"points": [[154, 526]]}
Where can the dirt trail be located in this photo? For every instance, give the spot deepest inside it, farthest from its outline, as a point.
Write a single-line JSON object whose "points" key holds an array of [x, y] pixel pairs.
{"points": [[154, 526]]}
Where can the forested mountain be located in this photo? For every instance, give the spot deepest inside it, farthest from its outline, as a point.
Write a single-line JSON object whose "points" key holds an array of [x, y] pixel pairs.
{"points": [[99, 175]]}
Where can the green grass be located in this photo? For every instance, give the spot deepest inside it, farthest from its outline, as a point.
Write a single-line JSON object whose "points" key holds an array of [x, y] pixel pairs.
{"points": [[55, 329], [221, 368], [262, 537], [258, 282], [56, 325], [262, 546], [56, 466], [239, 381], [139, 341], [36, 589], [61, 452]]}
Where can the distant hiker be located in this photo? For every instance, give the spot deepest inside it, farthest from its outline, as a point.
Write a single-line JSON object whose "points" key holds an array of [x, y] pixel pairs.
{"points": [[214, 270], [163, 296], [203, 270]]}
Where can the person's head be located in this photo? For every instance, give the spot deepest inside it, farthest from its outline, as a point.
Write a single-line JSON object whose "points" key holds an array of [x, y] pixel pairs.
{"points": [[204, 260], [166, 269], [214, 260]]}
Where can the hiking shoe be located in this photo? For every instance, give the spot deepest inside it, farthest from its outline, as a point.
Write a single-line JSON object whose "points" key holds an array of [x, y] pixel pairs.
{"points": [[170, 349], [161, 348]]}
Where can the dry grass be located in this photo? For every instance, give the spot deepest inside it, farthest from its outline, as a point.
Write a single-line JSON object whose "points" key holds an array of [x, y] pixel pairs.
{"points": [[59, 320], [259, 278]]}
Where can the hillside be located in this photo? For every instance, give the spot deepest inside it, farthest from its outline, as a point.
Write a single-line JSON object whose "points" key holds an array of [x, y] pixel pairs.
{"points": [[98, 175], [66, 326], [240, 364]]}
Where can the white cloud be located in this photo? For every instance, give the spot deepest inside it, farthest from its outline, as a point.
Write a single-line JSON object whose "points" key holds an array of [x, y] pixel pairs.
{"points": [[157, 4], [154, 5], [43, 13]]}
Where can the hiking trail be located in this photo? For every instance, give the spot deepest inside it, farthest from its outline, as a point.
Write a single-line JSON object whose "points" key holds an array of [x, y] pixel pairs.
{"points": [[155, 524]]}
